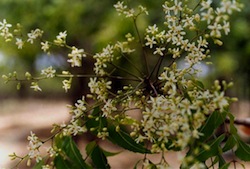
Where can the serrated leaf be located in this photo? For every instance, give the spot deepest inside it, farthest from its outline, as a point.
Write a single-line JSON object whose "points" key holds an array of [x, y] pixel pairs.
{"points": [[98, 158], [73, 156], [61, 163], [212, 123], [90, 147], [230, 143], [124, 140], [243, 150], [213, 151]]}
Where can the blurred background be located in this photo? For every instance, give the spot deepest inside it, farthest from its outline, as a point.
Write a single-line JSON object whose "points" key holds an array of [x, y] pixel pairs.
{"points": [[91, 25]]}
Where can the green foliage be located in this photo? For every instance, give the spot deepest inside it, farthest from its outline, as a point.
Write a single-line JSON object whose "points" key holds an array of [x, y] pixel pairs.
{"points": [[70, 156], [175, 110], [98, 156], [213, 122]]}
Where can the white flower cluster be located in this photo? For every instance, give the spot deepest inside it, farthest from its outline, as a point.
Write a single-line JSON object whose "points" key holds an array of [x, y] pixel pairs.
{"points": [[102, 60], [167, 119], [129, 12], [75, 57], [61, 38], [172, 104], [48, 72], [4, 28], [33, 147], [100, 88], [34, 34]]}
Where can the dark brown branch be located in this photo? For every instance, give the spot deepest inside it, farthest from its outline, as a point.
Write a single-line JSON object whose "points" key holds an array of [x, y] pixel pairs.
{"points": [[243, 122]]}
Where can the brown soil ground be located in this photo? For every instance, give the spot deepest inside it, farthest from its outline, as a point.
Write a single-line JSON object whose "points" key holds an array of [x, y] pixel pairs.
{"points": [[18, 118]]}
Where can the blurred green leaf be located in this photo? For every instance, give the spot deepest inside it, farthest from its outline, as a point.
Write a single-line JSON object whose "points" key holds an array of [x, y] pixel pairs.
{"points": [[213, 151], [212, 123], [230, 143], [225, 166], [39, 165], [243, 150], [233, 129], [199, 84]]}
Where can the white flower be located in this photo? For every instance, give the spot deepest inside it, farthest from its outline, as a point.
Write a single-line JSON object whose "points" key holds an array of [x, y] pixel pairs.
{"points": [[45, 46], [177, 7], [208, 16], [150, 41], [120, 7], [67, 84], [206, 4], [152, 29], [48, 72], [99, 88], [4, 28], [75, 128], [159, 51], [75, 57], [226, 27], [108, 108], [4, 25], [35, 86], [19, 43], [61, 38], [220, 100], [215, 30], [33, 147], [34, 34]]}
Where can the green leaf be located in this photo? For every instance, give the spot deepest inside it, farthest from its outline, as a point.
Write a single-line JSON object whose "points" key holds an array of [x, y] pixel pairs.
{"points": [[99, 159], [243, 150], [61, 163], [90, 147], [213, 151], [212, 123], [199, 84], [73, 157], [97, 155], [225, 166], [222, 161], [230, 143], [108, 153], [124, 140], [233, 129]]}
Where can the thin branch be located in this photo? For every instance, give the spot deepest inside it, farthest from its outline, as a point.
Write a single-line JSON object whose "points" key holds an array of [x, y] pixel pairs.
{"points": [[242, 122], [132, 64], [124, 70], [140, 40]]}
